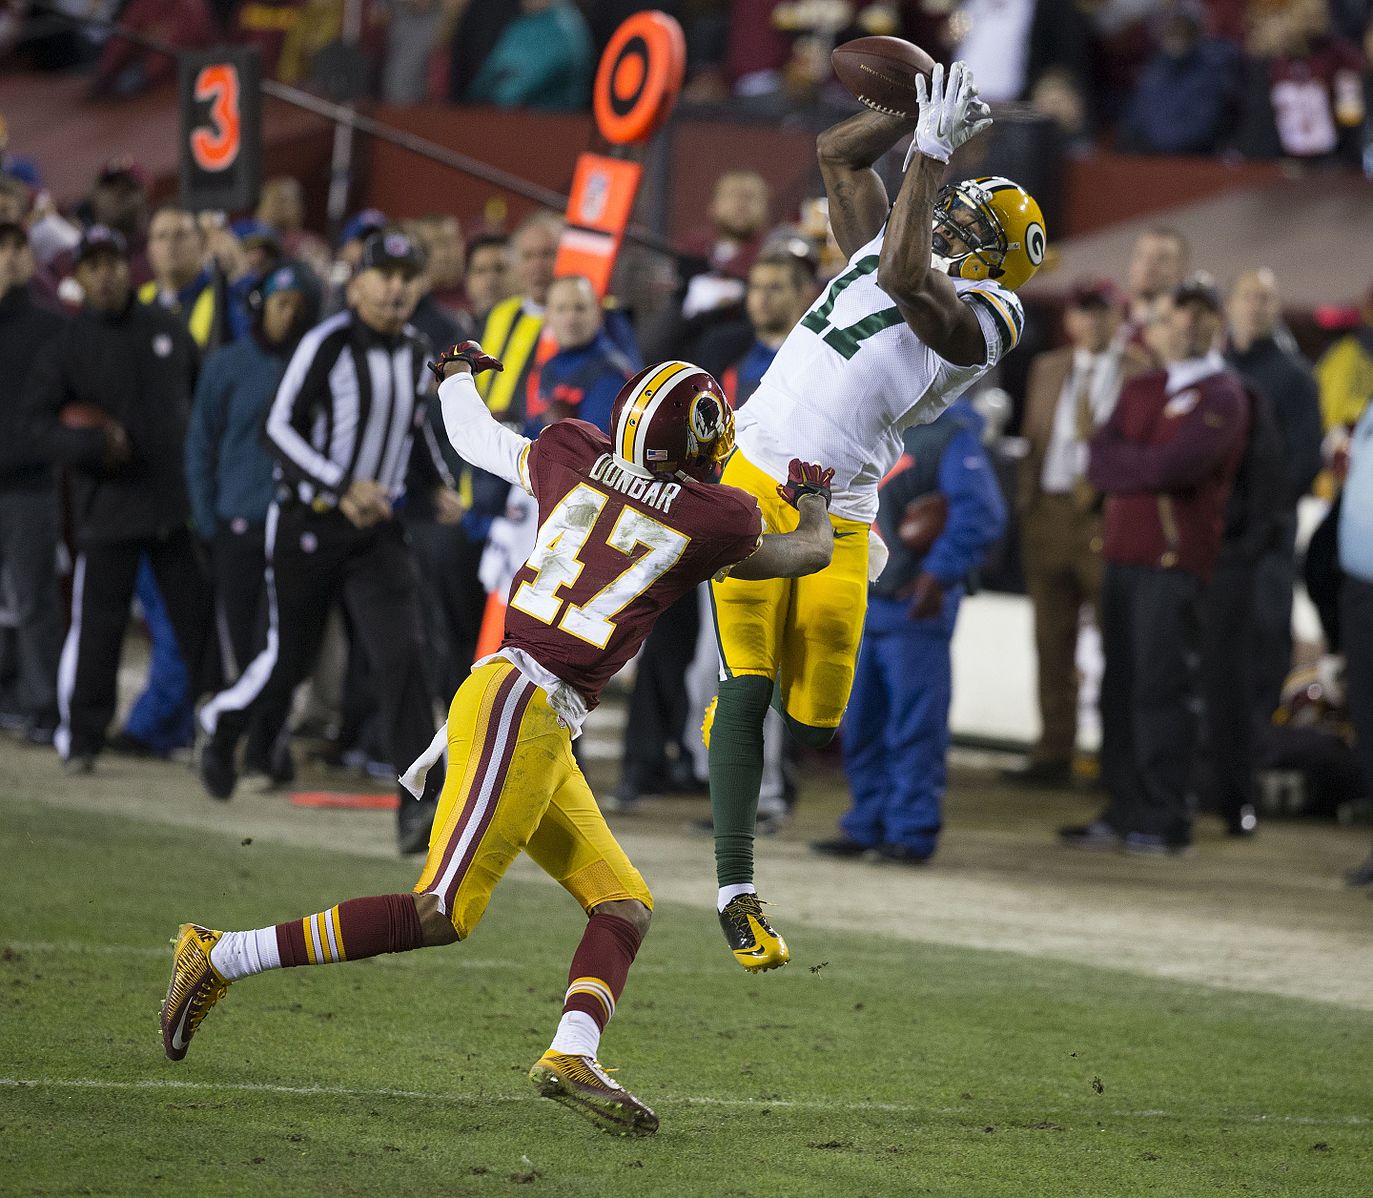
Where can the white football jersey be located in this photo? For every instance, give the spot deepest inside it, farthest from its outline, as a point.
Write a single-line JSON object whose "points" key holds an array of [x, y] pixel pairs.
{"points": [[853, 376]]}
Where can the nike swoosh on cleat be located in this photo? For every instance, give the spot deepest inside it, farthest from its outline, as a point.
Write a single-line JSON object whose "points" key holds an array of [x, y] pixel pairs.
{"points": [[177, 1042]]}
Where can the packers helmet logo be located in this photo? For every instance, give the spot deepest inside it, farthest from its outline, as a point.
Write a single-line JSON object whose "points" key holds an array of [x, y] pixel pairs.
{"points": [[1034, 243]]}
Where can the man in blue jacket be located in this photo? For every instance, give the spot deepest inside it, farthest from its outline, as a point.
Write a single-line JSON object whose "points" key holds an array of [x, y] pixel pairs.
{"points": [[229, 471], [940, 510]]}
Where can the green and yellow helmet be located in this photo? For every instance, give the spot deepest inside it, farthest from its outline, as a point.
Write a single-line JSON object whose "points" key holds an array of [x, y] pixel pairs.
{"points": [[999, 223]]}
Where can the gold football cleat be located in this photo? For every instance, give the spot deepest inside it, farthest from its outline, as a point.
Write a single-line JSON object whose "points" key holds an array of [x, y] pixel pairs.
{"points": [[195, 987], [580, 1083]]}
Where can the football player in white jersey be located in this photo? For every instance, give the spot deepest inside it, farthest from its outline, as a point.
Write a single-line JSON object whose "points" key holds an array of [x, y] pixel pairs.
{"points": [[925, 306]]}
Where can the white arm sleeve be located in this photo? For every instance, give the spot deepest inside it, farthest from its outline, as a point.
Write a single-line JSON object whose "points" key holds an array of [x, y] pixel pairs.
{"points": [[479, 438]]}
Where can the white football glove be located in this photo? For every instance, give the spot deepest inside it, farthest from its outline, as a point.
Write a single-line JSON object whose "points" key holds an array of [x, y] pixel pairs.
{"points": [[949, 115]]}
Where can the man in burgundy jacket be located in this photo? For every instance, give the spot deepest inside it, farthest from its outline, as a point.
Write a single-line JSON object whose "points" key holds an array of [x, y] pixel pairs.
{"points": [[1165, 461]]}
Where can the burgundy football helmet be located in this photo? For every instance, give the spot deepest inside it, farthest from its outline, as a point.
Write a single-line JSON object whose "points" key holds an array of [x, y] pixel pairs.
{"points": [[672, 418]]}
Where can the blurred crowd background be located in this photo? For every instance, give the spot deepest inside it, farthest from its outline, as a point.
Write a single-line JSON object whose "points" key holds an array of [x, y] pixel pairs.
{"points": [[1231, 81]]}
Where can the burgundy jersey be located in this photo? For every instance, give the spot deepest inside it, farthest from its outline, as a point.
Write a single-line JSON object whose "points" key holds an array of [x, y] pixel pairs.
{"points": [[614, 551], [1315, 95]]}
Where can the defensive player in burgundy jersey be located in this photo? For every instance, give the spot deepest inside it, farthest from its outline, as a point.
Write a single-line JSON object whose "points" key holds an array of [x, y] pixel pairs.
{"points": [[626, 526]]}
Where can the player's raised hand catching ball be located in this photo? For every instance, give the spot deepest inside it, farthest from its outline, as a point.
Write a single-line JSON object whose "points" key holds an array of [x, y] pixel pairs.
{"points": [[951, 112]]}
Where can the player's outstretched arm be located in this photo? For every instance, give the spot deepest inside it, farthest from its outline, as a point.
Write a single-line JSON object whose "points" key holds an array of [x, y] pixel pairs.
{"points": [[478, 437], [793, 554], [927, 299], [857, 197]]}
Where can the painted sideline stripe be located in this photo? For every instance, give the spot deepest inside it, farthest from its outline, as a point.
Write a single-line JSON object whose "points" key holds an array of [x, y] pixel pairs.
{"points": [[83, 1083]]}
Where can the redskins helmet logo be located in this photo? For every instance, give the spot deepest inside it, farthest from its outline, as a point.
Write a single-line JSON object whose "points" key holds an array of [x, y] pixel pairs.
{"points": [[706, 419]]}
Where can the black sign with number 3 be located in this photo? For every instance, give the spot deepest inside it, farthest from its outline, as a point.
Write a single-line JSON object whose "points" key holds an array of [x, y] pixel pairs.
{"points": [[221, 128]]}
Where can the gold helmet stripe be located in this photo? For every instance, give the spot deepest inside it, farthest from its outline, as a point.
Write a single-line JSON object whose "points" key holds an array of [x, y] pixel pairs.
{"points": [[639, 408]]}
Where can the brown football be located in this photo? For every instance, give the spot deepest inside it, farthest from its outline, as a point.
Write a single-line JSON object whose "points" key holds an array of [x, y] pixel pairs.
{"points": [[83, 415], [881, 71]]}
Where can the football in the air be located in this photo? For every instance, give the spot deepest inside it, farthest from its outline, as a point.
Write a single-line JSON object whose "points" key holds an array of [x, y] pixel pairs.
{"points": [[83, 415], [881, 71]]}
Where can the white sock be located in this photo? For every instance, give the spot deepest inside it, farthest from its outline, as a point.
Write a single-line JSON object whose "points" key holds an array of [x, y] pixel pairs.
{"points": [[242, 954], [577, 1035], [732, 892]]}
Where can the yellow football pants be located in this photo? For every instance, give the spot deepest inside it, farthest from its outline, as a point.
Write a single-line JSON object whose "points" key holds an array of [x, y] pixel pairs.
{"points": [[513, 785], [802, 632]]}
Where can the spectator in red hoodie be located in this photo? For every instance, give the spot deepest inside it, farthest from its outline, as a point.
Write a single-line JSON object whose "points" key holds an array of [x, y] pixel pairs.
{"points": [[1165, 460]]}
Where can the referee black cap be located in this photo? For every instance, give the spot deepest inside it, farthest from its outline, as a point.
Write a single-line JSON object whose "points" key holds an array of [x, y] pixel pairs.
{"points": [[392, 249]]}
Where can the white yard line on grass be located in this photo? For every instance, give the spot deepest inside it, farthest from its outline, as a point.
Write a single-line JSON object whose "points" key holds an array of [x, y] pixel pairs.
{"points": [[89, 1083]]}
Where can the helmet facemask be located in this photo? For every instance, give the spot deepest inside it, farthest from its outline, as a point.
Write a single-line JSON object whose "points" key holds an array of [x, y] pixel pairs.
{"points": [[963, 213]]}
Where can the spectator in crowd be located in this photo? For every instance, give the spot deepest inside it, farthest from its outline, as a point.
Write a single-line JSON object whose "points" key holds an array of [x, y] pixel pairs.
{"points": [[281, 205], [1058, 94], [1304, 93], [190, 281], [586, 373], [126, 68], [119, 201], [1262, 354], [714, 269], [1165, 460], [109, 398], [1158, 263], [411, 28], [1072, 392], [1253, 519], [512, 328], [542, 60], [441, 237], [1356, 601], [16, 166], [1344, 373], [1010, 43], [189, 284], [487, 280], [940, 508], [781, 286], [1185, 96], [29, 527], [356, 231], [335, 536], [229, 473], [14, 201], [439, 325], [739, 218], [479, 28], [268, 25], [262, 254]]}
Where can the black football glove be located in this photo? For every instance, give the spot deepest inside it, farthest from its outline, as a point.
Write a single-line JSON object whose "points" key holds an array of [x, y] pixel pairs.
{"points": [[470, 352], [806, 478]]}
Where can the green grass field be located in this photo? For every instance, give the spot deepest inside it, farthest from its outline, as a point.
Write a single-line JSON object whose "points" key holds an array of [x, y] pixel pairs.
{"points": [[868, 1067]]}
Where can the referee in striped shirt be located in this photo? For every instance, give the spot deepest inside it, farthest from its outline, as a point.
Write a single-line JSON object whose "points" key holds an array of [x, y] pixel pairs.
{"points": [[348, 431]]}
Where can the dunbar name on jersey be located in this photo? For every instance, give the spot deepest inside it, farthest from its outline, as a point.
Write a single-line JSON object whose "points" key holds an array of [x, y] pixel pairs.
{"points": [[853, 376]]}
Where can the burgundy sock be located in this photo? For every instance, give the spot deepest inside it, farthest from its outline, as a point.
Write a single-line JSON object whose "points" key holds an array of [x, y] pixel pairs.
{"points": [[359, 928], [600, 967]]}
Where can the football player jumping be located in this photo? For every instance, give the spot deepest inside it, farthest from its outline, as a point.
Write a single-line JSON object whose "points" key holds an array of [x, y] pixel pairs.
{"points": [[925, 306], [626, 526]]}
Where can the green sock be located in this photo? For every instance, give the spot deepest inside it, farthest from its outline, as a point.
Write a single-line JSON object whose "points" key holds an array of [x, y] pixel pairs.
{"points": [[736, 773]]}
